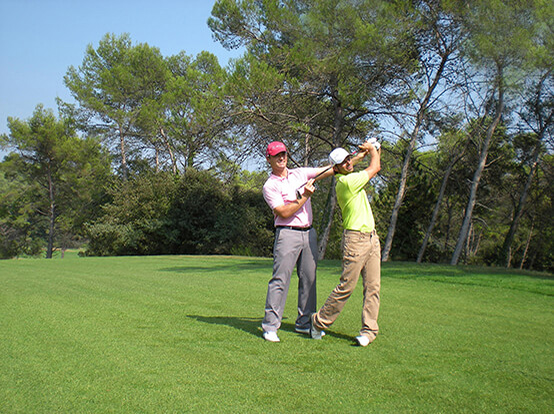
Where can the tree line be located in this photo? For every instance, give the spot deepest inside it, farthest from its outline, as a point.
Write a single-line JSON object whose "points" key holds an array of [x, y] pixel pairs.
{"points": [[460, 93]]}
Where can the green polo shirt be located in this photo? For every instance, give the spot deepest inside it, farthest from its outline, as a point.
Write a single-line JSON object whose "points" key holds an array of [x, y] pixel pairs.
{"points": [[353, 202]]}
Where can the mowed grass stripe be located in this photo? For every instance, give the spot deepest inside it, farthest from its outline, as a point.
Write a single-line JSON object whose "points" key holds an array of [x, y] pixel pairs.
{"points": [[181, 334]]}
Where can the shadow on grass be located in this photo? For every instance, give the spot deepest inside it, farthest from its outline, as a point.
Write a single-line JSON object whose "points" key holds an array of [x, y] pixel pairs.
{"points": [[245, 324], [217, 268], [410, 270], [398, 269], [253, 325]]}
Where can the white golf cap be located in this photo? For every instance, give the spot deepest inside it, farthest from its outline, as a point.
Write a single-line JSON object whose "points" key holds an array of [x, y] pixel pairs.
{"points": [[338, 155]]}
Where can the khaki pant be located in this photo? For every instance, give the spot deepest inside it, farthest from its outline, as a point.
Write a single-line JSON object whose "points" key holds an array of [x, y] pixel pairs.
{"points": [[361, 255]]}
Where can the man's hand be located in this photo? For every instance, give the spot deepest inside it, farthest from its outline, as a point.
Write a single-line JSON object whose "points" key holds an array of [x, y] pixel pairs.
{"points": [[375, 143], [309, 188], [287, 210], [370, 144]]}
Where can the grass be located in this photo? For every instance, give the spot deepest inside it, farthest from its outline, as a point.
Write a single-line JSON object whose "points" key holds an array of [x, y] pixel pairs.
{"points": [[181, 334]]}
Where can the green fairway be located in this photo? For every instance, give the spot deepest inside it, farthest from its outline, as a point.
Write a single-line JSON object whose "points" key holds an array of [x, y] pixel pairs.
{"points": [[182, 334]]}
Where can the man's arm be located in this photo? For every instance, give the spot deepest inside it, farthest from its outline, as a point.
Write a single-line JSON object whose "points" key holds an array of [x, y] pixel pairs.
{"points": [[289, 209], [325, 172], [328, 170], [375, 164]]}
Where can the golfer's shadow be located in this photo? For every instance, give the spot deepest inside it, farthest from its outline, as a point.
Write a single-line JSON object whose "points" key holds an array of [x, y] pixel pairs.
{"points": [[248, 325], [253, 325]]}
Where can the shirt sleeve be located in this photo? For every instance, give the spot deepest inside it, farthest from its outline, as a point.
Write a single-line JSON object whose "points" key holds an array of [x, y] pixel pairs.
{"points": [[272, 196], [310, 172]]}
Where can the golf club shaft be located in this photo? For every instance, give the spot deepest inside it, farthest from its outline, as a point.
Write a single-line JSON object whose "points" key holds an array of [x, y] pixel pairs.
{"points": [[317, 176], [320, 174]]}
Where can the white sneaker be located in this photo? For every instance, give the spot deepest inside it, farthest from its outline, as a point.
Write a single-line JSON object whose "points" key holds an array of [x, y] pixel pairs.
{"points": [[271, 336], [362, 340]]}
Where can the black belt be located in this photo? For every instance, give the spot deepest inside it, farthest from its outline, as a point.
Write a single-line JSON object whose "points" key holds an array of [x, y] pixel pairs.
{"points": [[294, 228]]}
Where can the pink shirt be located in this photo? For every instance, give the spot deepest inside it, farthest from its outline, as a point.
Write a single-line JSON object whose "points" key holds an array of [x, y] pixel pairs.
{"points": [[278, 191]]}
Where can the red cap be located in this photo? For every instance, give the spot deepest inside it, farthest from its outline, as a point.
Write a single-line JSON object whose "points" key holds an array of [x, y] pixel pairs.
{"points": [[275, 148]]}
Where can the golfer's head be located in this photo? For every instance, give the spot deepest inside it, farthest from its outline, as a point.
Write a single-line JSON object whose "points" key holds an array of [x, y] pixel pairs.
{"points": [[276, 154], [341, 161]]}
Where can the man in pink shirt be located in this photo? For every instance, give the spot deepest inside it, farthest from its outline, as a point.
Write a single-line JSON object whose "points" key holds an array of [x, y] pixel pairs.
{"points": [[295, 240]]}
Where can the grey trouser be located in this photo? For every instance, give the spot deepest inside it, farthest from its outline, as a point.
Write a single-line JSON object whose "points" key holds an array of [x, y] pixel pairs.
{"points": [[361, 255], [292, 247]]}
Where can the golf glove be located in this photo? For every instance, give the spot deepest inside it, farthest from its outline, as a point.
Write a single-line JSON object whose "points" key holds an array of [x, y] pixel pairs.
{"points": [[375, 143]]}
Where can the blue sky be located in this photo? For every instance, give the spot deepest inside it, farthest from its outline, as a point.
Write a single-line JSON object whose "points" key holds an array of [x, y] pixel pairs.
{"points": [[40, 39]]}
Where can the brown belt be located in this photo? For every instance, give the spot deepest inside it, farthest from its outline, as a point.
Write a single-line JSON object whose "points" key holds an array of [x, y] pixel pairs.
{"points": [[372, 232]]}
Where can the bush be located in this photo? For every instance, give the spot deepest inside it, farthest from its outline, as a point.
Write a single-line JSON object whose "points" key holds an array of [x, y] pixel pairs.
{"points": [[192, 214]]}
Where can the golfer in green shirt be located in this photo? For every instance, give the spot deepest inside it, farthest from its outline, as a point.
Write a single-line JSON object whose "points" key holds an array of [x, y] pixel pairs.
{"points": [[360, 244]]}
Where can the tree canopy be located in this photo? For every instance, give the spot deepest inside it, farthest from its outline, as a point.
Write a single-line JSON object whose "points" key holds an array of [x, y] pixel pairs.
{"points": [[459, 94]]}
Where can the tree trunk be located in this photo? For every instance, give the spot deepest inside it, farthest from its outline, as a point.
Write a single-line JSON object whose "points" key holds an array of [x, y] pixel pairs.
{"points": [[306, 149], [123, 154], [524, 256], [332, 197], [544, 123], [476, 242], [439, 202], [169, 150], [507, 245], [435, 211], [52, 217], [448, 225], [468, 238], [406, 166], [399, 199], [325, 229], [462, 236]]}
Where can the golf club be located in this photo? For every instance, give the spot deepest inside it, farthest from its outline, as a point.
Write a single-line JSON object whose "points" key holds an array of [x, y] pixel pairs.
{"points": [[299, 195]]}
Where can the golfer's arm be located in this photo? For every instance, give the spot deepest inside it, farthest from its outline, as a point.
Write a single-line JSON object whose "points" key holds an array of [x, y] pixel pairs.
{"points": [[289, 209], [375, 164], [325, 172]]}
